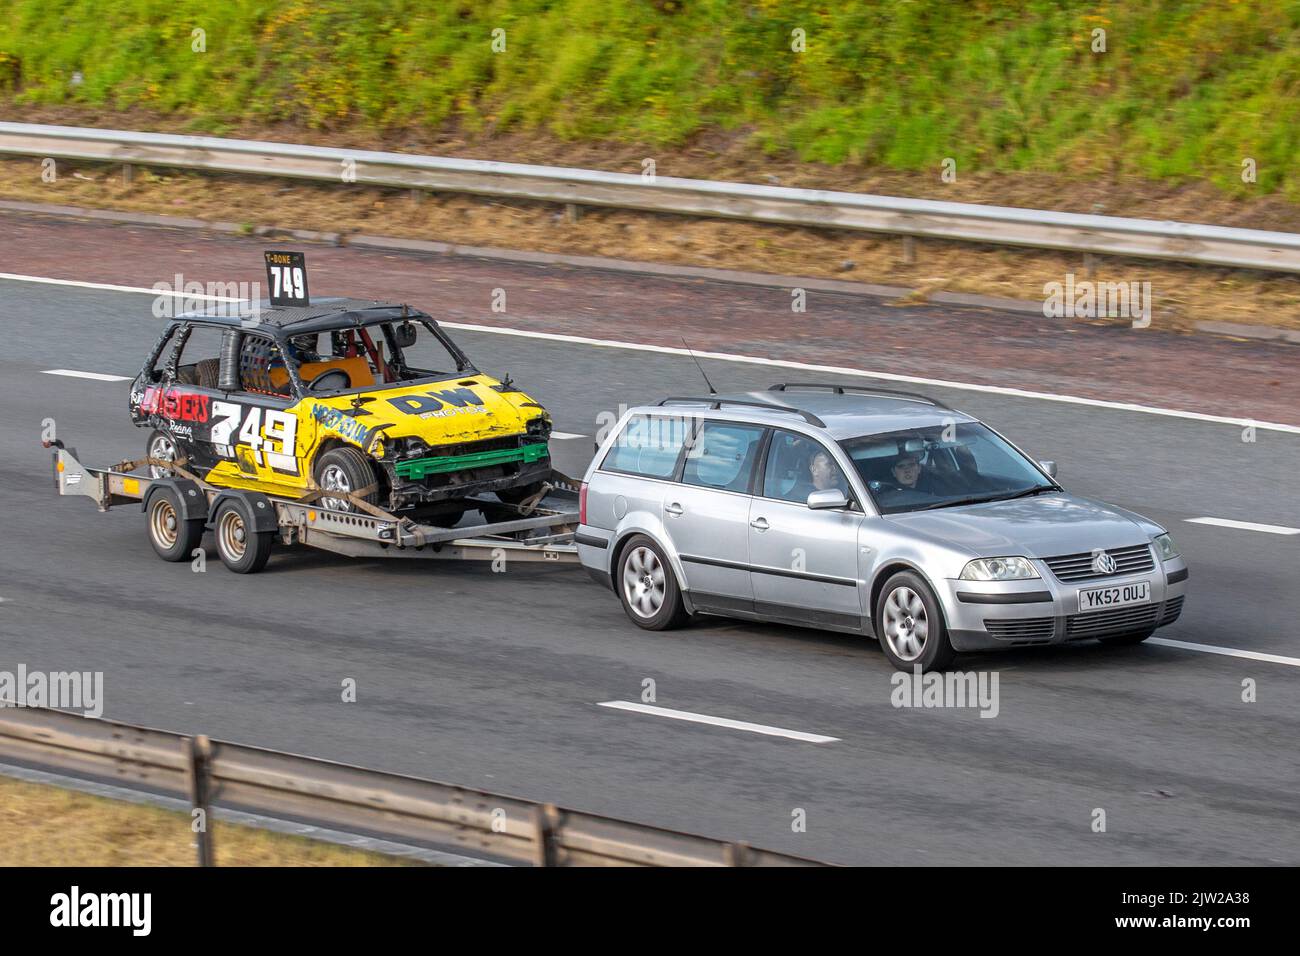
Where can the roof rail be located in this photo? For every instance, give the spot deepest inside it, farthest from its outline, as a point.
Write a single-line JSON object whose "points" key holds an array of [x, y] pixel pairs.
{"points": [[872, 389], [716, 403]]}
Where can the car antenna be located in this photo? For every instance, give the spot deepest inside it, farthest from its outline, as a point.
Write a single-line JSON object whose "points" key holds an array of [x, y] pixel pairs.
{"points": [[712, 390]]}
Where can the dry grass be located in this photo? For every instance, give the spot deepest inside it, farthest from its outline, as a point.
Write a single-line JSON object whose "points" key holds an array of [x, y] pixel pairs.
{"points": [[47, 826], [1182, 294]]}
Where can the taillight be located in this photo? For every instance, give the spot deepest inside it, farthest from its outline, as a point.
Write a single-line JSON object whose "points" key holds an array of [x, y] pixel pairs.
{"points": [[582, 504]]}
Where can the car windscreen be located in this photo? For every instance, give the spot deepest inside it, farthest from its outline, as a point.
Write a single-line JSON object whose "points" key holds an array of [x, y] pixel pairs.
{"points": [[373, 355], [942, 466]]}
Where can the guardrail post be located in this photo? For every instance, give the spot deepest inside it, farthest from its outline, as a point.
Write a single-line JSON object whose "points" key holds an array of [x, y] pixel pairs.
{"points": [[909, 250], [128, 174], [736, 854], [198, 754], [546, 820], [572, 212]]}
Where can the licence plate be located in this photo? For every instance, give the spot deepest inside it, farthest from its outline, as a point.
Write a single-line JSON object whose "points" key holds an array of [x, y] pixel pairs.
{"points": [[1120, 595]]}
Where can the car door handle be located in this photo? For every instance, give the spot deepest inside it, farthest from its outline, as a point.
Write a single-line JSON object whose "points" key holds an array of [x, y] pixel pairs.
{"points": [[674, 508], [759, 524]]}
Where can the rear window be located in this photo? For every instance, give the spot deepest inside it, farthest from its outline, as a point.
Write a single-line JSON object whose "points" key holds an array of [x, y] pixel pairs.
{"points": [[648, 445]]}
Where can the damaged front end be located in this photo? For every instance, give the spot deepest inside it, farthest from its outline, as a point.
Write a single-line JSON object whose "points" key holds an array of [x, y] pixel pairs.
{"points": [[419, 473]]}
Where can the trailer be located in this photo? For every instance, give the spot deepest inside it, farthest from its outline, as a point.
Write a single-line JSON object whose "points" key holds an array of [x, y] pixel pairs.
{"points": [[246, 525]]}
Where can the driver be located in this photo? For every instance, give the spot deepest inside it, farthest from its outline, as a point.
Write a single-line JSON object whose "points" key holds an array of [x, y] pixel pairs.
{"points": [[907, 471]]}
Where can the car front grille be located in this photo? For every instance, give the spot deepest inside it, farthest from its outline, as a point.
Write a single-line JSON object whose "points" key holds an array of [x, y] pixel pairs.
{"points": [[1173, 608], [1034, 630], [1078, 567], [1119, 620]]}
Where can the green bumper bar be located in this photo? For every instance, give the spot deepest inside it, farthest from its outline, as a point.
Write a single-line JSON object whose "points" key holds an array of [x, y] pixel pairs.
{"points": [[418, 468]]}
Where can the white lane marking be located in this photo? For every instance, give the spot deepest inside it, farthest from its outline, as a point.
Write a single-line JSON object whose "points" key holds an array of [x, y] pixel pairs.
{"points": [[106, 287], [564, 435], [1244, 525], [718, 722], [886, 376], [773, 363], [97, 376], [1226, 651]]}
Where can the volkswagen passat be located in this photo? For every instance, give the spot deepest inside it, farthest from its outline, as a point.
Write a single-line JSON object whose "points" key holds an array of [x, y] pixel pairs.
{"points": [[869, 511]]}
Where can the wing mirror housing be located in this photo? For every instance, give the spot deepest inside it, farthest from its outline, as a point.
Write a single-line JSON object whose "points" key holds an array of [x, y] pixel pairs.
{"points": [[405, 334], [1049, 467], [827, 498]]}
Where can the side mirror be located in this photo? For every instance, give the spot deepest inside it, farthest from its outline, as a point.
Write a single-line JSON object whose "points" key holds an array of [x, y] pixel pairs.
{"points": [[1049, 467], [404, 334], [827, 498]]}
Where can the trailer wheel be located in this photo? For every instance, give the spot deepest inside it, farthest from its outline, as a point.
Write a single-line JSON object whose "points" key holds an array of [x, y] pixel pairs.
{"points": [[242, 549], [171, 536], [345, 469]]}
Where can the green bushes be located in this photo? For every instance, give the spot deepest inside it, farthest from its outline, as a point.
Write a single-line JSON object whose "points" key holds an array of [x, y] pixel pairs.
{"points": [[1184, 90]]}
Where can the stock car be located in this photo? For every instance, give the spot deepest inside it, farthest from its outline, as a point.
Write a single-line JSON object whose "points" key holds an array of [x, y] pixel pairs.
{"points": [[367, 398]]}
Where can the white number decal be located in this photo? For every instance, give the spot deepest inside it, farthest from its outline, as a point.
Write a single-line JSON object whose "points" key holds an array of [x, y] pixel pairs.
{"points": [[288, 278], [272, 445]]}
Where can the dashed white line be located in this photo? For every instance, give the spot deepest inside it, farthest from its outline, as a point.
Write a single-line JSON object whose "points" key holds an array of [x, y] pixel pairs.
{"points": [[97, 376], [564, 435], [1244, 525], [719, 722], [773, 363], [107, 287], [1226, 651]]}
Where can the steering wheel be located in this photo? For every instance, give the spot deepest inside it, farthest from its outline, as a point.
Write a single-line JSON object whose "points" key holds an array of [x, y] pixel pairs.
{"points": [[330, 381]]}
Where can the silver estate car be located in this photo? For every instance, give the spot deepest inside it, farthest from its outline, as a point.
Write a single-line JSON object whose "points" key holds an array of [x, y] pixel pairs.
{"points": [[864, 510]]}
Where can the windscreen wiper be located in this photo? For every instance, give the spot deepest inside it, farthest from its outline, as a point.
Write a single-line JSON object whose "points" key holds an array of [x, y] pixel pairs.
{"points": [[1035, 490]]}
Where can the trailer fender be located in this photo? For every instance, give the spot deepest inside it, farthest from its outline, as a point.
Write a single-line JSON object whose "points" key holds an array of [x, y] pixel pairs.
{"points": [[258, 508], [193, 502]]}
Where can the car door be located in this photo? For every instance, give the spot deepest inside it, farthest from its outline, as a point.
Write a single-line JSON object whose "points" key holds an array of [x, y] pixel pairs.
{"points": [[706, 514], [254, 427], [804, 563]]}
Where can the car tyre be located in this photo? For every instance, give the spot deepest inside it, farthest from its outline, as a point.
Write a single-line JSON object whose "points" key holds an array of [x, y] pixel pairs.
{"points": [[1132, 637], [910, 625], [647, 586], [242, 549], [345, 469], [520, 494], [172, 537], [163, 447]]}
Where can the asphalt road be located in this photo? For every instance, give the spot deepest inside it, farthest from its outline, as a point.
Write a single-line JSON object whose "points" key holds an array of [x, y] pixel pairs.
{"points": [[494, 680]]}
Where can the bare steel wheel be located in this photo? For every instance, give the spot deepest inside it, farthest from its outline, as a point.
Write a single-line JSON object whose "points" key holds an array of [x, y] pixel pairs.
{"points": [[163, 446], [647, 586], [243, 549], [910, 624], [173, 537]]}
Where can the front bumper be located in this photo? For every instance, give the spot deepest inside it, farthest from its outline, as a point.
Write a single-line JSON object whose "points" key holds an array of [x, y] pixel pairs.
{"points": [[427, 480], [985, 616]]}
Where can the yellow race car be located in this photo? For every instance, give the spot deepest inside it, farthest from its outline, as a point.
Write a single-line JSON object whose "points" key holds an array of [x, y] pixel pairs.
{"points": [[350, 396]]}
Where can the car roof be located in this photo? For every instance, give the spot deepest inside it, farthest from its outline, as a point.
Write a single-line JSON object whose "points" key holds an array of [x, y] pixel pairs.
{"points": [[842, 416], [323, 315]]}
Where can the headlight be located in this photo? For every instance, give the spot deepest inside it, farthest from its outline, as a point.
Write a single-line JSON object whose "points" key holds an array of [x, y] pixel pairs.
{"points": [[998, 569], [1165, 547]]}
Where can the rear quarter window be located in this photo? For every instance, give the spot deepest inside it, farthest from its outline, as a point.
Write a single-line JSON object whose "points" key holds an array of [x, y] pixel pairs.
{"points": [[648, 446]]}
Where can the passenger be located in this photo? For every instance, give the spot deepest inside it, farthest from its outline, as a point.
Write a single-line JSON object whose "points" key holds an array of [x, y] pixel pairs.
{"points": [[823, 474]]}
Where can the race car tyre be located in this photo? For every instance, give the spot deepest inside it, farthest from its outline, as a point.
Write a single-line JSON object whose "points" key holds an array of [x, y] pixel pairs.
{"points": [[1132, 637], [910, 625], [515, 496], [172, 537], [345, 469], [161, 445], [242, 549], [647, 586]]}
